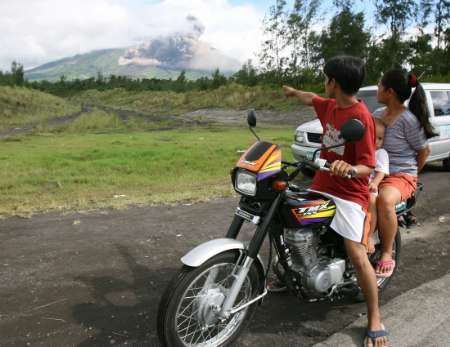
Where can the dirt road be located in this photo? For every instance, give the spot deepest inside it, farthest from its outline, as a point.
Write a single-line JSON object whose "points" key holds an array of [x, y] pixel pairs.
{"points": [[95, 279]]}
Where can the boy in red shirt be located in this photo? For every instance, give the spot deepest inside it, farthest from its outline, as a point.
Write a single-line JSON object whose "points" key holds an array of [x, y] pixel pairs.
{"points": [[344, 76]]}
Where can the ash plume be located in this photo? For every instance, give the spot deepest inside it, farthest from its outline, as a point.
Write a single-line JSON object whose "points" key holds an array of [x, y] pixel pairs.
{"points": [[182, 49]]}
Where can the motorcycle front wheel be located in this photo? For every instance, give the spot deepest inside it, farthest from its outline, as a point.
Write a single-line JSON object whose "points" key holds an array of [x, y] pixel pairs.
{"points": [[188, 310]]}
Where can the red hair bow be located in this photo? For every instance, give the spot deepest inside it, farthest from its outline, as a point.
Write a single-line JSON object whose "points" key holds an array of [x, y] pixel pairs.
{"points": [[412, 80]]}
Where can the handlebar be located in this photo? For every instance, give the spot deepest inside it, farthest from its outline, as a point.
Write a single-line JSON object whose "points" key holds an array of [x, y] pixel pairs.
{"points": [[318, 164], [324, 165]]}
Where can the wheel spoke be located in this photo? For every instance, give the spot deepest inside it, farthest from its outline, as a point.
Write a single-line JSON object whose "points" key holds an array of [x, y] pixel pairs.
{"points": [[179, 325], [199, 297], [193, 334], [184, 310]]}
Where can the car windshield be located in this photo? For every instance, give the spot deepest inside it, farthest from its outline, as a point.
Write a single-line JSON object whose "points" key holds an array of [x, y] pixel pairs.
{"points": [[370, 99]]}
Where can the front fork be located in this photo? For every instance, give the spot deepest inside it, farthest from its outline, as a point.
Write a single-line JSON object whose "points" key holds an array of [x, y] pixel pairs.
{"points": [[235, 227], [252, 252]]}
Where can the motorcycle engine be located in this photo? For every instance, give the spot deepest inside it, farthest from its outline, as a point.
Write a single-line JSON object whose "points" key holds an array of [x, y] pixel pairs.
{"points": [[319, 273]]}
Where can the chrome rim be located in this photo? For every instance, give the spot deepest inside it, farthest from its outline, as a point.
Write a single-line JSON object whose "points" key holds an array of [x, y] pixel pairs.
{"points": [[196, 320]]}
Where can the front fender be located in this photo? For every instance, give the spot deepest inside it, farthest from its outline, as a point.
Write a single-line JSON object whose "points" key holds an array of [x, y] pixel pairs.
{"points": [[207, 250]]}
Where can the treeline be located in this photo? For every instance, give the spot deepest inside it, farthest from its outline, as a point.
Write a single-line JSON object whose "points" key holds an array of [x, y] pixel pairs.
{"points": [[247, 75], [411, 34], [13, 78]]}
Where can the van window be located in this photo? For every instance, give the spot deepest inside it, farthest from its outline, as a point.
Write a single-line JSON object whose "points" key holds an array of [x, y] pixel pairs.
{"points": [[370, 99], [441, 102]]}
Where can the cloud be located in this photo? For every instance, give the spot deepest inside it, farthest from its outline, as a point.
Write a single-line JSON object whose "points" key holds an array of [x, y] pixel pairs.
{"points": [[35, 32]]}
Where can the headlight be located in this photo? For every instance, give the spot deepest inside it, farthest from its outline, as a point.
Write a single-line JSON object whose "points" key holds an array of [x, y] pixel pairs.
{"points": [[299, 137], [246, 183]]}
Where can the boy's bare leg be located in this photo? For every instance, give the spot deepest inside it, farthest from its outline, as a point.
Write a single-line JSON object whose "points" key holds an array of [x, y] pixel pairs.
{"points": [[387, 224], [368, 283], [373, 222]]}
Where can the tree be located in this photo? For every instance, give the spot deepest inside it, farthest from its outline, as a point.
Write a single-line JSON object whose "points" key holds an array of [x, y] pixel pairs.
{"points": [[299, 23], [17, 76], [274, 26], [345, 35], [440, 11], [181, 82], [437, 13], [421, 57], [247, 75], [218, 79], [442, 15], [397, 14], [386, 54]]}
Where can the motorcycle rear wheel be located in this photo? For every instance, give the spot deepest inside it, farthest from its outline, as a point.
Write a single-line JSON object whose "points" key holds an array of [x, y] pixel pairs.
{"points": [[185, 316]]}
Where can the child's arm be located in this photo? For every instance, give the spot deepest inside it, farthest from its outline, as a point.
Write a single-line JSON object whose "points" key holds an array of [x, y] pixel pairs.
{"points": [[373, 186], [304, 97]]}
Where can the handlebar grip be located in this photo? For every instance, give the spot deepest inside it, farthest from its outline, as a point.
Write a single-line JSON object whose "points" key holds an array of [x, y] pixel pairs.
{"points": [[352, 173], [324, 165]]}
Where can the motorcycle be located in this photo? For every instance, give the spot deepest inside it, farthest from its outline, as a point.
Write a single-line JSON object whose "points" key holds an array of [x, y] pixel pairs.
{"points": [[215, 293]]}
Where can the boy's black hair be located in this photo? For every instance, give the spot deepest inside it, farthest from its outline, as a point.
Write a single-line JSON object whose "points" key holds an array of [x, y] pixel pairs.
{"points": [[349, 72]]}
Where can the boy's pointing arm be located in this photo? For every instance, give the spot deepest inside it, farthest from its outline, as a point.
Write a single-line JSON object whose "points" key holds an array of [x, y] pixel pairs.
{"points": [[304, 97]]}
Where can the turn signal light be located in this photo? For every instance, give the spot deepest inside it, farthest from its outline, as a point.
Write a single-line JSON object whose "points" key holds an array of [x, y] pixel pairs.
{"points": [[279, 185]]}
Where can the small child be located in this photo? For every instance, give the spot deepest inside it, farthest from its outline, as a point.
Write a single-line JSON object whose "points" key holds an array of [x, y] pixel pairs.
{"points": [[381, 170]]}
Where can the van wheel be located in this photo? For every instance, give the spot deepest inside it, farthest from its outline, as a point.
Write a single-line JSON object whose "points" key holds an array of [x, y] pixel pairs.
{"points": [[446, 164]]}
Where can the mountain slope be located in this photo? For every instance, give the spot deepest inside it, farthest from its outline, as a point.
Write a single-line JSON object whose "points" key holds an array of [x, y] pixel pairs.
{"points": [[106, 62], [161, 57]]}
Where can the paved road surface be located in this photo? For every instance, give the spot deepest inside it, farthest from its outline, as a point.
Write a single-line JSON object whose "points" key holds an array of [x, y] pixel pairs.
{"points": [[418, 318], [95, 279]]}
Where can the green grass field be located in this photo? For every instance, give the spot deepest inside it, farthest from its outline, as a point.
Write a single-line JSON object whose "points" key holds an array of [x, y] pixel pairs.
{"points": [[100, 160], [22, 106], [85, 170]]}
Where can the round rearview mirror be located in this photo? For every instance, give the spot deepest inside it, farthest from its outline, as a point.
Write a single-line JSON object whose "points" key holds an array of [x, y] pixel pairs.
{"points": [[352, 130], [251, 118]]}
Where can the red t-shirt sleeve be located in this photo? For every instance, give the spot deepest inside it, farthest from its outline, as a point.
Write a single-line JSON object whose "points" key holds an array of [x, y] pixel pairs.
{"points": [[321, 106], [365, 148]]}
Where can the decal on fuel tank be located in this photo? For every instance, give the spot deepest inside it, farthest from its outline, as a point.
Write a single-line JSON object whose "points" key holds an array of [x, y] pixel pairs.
{"points": [[315, 212]]}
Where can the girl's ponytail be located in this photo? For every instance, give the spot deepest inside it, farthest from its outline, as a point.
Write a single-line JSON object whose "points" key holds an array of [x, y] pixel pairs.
{"points": [[418, 106]]}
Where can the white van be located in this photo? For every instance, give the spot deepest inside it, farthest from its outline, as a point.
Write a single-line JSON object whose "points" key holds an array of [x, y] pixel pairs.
{"points": [[308, 135]]}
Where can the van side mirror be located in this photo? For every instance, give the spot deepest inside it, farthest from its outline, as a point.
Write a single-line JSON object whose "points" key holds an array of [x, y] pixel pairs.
{"points": [[353, 130]]}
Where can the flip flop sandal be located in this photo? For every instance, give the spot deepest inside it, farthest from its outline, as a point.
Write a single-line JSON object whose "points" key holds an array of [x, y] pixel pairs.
{"points": [[383, 264], [374, 334]]}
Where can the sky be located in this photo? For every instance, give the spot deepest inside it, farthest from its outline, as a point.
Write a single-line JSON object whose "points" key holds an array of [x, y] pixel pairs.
{"points": [[35, 32]]}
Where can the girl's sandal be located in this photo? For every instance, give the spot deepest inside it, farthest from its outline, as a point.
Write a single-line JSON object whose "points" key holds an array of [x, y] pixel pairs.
{"points": [[384, 264]]}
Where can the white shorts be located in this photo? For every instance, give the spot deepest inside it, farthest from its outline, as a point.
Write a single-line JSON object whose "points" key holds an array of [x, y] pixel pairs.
{"points": [[349, 220]]}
